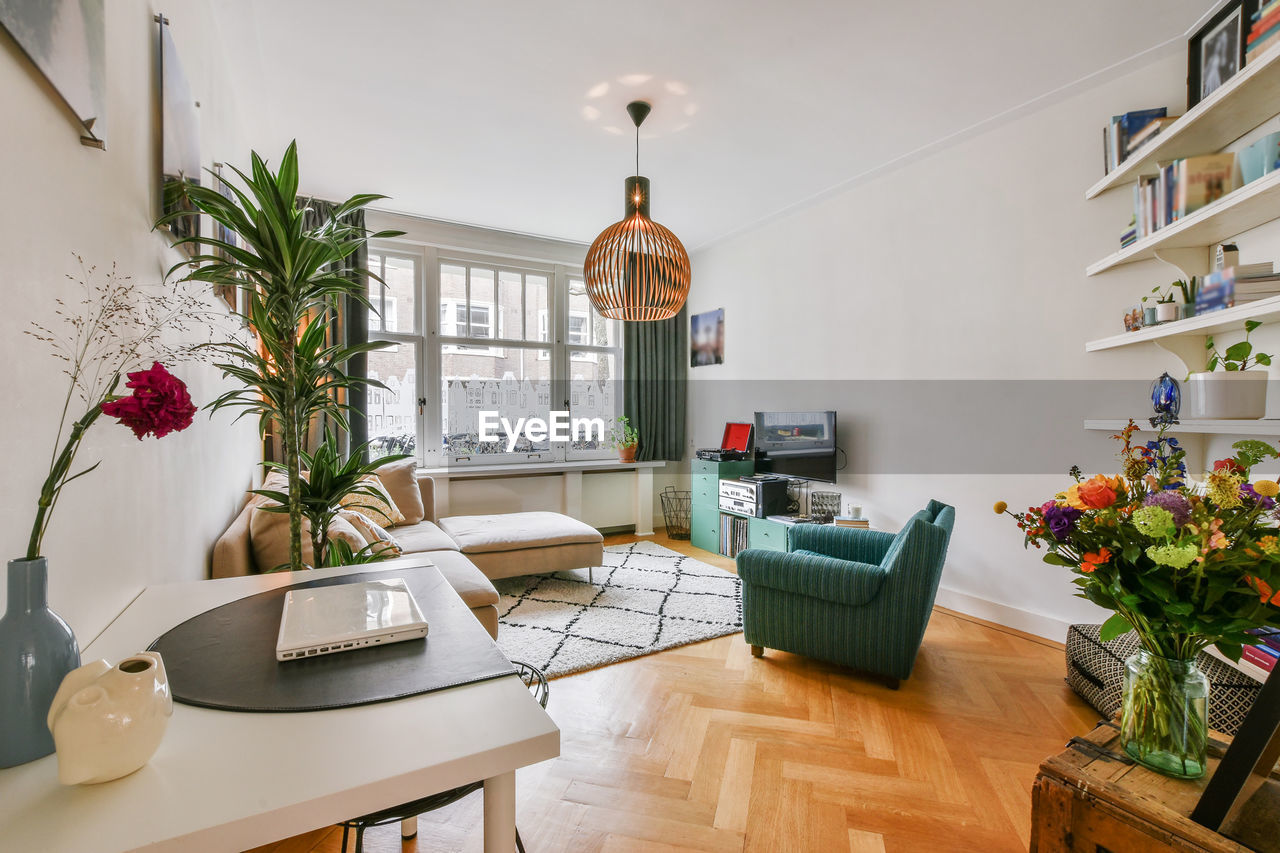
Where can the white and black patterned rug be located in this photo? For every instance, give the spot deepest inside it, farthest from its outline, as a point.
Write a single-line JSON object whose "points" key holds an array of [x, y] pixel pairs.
{"points": [[645, 598]]}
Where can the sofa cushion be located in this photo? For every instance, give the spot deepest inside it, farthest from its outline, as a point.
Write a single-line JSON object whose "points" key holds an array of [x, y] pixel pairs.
{"points": [[470, 584], [269, 536], [401, 482], [379, 506], [372, 532], [423, 536], [482, 534], [536, 561]]}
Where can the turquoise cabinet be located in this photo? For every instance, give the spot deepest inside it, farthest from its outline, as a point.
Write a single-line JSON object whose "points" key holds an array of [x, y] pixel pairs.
{"points": [[704, 517]]}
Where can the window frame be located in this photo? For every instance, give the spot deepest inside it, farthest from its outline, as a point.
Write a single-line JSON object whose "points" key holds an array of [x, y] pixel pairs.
{"points": [[432, 344]]}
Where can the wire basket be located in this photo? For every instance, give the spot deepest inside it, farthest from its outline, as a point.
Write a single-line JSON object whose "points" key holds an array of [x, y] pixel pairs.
{"points": [[824, 503], [675, 511]]}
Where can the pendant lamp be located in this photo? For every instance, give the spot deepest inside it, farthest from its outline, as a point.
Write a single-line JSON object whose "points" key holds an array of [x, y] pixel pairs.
{"points": [[636, 269]]}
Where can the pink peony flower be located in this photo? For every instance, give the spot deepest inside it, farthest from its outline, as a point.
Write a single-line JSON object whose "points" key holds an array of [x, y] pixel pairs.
{"points": [[158, 405]]}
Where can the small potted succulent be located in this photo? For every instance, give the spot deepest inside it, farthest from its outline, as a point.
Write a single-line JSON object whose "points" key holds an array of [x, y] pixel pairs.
{"points": [[1164, 309], [624, 438], [1239, 391], [1188, 288]]}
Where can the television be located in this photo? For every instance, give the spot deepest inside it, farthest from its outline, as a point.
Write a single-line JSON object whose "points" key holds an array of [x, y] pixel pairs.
{"points": [[796, 444]]}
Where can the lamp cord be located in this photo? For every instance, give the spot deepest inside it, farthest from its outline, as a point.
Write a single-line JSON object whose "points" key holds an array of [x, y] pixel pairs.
{"points": [[637, 150]]}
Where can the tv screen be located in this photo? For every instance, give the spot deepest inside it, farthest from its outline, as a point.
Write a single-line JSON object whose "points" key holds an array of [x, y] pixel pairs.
{"points": [[797, 444]]}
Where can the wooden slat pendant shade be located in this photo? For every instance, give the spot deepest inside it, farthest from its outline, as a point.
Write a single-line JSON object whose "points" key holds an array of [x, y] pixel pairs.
{"points": [[637, 269]]}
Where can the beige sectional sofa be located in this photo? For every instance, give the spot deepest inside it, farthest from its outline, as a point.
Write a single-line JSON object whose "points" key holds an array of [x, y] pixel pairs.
{"points": [[468, 550], [233, 555]]}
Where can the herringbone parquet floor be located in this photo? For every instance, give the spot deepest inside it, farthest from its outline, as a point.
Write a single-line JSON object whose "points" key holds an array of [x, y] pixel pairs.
{"points": [[705, 748]]}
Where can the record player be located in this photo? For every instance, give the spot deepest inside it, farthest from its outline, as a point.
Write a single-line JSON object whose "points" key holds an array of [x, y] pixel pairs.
{"points": [[735, 444]]}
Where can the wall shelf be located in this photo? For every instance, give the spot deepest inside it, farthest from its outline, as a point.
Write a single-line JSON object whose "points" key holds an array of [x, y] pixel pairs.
{"points": [[1252, 205], [1227, 320], [1264, 426], [1236, 107]]}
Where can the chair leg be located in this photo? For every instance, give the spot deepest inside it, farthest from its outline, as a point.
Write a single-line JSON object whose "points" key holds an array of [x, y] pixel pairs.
{"points": [[360, 838], [892, 683], [757, 651], [591, 575], [345, 829], [409, 827], [519, 841]]}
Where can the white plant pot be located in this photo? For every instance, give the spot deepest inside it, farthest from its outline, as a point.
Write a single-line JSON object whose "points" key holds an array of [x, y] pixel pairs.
{"points": [[1166, 311], [107, 721], [1228, 395]]}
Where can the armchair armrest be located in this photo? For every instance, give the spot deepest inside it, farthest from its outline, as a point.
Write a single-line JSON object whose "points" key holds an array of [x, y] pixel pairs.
{"points": [[813, 575], [845, 543]]}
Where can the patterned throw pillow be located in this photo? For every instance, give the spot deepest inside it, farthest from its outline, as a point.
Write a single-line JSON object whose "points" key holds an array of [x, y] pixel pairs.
{"points": [[384, 543], [382, 510]]}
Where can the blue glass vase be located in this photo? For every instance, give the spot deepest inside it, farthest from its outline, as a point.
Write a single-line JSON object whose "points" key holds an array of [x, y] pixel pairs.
{"points": [[37, 649]]}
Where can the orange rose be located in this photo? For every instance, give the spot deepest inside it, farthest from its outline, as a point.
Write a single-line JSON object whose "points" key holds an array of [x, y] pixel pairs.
{"points": [[1096, 493], [1093, 559]]}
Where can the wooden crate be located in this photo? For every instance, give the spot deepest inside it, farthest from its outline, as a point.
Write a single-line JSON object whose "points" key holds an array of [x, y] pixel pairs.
{"points": [[1086, 800]]}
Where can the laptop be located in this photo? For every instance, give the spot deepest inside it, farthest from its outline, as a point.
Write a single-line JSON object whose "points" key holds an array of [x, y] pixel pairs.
{"points": [[327, 619]]}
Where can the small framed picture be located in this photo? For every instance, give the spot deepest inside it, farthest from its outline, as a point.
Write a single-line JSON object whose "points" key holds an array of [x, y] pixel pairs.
{"points": [[706, 338], [1216, 52]]}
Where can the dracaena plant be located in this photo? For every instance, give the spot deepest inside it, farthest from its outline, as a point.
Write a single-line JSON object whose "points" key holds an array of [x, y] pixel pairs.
{"points": [[293, 279], [329, 480]]}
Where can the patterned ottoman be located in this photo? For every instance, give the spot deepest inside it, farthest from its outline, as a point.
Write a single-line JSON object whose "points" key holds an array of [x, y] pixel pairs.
{"points": [[1095, 670]]}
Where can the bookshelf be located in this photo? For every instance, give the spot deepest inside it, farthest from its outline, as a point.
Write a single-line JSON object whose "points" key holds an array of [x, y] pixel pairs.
{"points": [[1252, 205], [1235, 108]]}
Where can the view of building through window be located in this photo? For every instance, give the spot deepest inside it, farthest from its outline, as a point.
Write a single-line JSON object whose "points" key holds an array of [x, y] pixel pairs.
{"points": [[522, 342]]}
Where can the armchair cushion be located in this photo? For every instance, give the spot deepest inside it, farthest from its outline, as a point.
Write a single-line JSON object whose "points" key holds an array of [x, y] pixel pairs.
{"points": [[813, 575], [859, 546]]}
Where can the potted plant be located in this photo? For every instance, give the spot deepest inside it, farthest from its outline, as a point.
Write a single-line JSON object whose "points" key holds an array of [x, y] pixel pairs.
{"points": [[1188, 288], [624, 437], [1184, 566], [292, 279], [1164, 309], [329, 480], [1239, 391]]}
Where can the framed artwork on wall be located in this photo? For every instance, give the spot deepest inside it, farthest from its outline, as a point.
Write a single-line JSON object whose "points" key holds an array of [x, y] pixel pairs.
{"points": [[706, 338], [1216, 52], [66, 41], [180, 136]]}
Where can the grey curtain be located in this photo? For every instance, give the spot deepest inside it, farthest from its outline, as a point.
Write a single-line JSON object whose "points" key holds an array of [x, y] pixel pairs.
{"points": [[351, 325], [655, 390]]}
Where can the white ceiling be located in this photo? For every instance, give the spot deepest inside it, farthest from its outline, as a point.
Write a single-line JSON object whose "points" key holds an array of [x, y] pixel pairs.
{"points": [[478, 112]]}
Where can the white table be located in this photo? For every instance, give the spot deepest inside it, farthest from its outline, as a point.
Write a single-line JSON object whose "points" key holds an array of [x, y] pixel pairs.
{"points": [[230, 781]]}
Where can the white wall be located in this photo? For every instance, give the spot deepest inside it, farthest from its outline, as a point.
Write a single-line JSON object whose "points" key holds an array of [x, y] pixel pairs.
{"points": [[150, 514], [966, 265]]}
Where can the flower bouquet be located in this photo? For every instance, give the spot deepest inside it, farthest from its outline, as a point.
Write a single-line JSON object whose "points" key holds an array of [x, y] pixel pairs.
{"points": [[1184, 565]]}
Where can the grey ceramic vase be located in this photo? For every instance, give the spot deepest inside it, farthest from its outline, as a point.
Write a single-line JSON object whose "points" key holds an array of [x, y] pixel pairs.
{"points": [[37, 650]]}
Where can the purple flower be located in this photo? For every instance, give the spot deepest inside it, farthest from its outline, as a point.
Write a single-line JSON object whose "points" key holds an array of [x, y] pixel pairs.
{"points": [[1061, 520], [1177, 505], [1247, 493]]}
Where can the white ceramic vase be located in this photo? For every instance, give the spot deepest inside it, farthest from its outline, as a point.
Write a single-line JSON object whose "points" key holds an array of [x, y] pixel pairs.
{"points": [[107, 721], [1228, 395]]}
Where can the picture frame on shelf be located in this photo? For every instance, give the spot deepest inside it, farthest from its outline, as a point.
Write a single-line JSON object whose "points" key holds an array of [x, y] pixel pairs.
{"points": [[1215, 53]]}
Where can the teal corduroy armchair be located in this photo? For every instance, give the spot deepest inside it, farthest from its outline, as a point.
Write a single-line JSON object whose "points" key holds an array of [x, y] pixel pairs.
{"points": [[861, 598]]}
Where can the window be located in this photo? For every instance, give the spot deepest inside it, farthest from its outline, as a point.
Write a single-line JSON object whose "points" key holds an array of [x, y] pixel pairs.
{"points": [[516, 337]]}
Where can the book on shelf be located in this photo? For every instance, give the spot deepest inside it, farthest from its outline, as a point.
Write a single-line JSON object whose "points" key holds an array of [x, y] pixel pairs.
{"points": [[1224, 289], [850, 521], [1269, 636], [1264, 28], [1260, 47], [1180, 188], [1151, 131], [1263, 656], [1264, 10], [1117, 133]]}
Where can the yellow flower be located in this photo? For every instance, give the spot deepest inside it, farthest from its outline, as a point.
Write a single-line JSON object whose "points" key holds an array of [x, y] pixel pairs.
{"points": [[1267, 488], [1000, 507]]}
